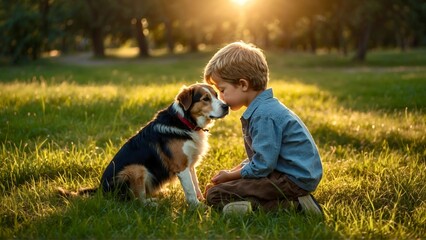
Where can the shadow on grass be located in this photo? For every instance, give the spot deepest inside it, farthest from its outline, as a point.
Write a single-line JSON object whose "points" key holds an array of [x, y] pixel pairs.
{"points": [[392, 140], [30, 174], [387, 80], [100, 217], [369, 91]]}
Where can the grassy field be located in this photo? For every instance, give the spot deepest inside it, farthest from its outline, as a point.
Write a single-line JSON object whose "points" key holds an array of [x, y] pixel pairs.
{"points": [[61, 123]]}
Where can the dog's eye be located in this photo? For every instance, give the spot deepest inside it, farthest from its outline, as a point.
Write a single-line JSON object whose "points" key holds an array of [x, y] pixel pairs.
{"points": [[206, 99]]}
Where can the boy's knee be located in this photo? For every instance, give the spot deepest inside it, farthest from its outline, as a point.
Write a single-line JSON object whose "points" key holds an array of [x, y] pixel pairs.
{"points": [[215, 196], [210, 195]]}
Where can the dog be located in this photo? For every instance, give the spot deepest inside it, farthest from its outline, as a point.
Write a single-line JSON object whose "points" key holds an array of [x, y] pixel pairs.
{"points": [[168, 146]]}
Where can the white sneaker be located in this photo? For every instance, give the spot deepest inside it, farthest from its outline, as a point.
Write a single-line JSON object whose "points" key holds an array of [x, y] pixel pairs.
{"points": [[309, 204], [240, 207]]}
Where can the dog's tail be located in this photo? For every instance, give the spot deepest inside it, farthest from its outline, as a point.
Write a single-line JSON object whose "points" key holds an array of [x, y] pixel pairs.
{"points": [[80, 192]]}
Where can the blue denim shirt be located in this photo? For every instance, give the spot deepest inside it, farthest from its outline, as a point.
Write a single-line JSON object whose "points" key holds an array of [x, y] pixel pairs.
{"points": [[276, 139]]}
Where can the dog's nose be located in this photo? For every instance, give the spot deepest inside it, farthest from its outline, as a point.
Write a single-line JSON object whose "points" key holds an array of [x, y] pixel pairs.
{"points": [[225, 107]]}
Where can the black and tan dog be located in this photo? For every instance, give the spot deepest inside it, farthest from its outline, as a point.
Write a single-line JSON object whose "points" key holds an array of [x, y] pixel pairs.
{"points": [[168, 146]]}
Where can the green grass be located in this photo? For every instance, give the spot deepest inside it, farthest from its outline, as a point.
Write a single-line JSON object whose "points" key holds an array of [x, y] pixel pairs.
{"points": [[61, 124]]}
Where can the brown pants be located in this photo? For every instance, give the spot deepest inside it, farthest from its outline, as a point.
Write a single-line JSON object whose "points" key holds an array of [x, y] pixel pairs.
{"points": [[267, 193]]}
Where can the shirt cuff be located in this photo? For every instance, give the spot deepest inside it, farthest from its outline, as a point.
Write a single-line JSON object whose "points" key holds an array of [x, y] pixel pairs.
{"points": [[246, 171], [245, 162]]}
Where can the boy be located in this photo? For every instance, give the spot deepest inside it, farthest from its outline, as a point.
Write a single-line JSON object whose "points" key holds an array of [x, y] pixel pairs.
{"points": [[283, 164]]}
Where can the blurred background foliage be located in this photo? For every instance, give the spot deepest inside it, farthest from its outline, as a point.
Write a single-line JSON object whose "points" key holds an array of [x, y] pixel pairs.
{"points": [[31, 28]]}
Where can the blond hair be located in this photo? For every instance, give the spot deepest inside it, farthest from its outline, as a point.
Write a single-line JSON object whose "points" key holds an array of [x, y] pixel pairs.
{"points": [[237, 61]]}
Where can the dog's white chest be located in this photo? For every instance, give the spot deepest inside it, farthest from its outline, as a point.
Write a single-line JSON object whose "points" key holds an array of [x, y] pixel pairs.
{"points": [[194, 149]]}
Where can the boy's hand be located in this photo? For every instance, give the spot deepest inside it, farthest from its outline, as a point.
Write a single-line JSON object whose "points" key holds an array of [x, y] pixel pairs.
{"points": [[223, 176], [226, 176], [220, 177]]}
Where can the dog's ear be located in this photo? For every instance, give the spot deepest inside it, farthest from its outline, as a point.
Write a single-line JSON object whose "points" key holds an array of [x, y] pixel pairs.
{"points": [[185, 97]]}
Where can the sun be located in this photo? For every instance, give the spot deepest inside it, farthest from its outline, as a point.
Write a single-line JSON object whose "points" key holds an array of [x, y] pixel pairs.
{"points": [[240, 2]]}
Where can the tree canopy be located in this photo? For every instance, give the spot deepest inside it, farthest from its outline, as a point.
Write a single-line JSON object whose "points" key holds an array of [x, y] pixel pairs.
{"points": [[31, 27]]}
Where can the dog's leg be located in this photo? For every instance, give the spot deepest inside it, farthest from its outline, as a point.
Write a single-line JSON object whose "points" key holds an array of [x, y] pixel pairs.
{"points": [[196, 184], [188, 186], [138, 187], [138, 178]]}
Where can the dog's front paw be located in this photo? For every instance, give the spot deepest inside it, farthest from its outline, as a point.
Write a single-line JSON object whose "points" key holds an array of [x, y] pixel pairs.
{"points": [[201, 207], [193, 202], [200, 195]]}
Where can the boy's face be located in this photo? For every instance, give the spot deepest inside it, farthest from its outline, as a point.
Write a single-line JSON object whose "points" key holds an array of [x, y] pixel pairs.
{"points": [[233, 95]]}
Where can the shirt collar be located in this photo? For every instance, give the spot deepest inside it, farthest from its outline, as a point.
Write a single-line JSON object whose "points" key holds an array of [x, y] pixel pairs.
{"points": [[256, 102]]}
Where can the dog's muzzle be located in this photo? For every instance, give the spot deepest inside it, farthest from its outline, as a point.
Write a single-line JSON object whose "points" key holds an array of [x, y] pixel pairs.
{"points": [[224, 110]]}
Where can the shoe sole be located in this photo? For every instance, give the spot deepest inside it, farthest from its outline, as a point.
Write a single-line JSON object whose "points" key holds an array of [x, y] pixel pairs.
{"points": [[241, 207]]}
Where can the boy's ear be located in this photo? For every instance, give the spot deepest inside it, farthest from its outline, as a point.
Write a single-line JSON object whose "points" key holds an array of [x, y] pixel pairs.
{"points": [[244, 84]]}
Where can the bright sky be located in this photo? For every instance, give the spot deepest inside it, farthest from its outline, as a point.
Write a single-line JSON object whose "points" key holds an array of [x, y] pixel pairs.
{"points": [[240, 2]]}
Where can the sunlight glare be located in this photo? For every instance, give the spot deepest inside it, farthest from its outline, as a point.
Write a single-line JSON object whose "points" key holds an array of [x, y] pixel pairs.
{"points": [[240, 2]]}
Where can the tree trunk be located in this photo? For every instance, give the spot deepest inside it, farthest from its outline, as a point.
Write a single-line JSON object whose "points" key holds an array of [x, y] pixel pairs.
{"points": [[98, 42], [193, 44], [363, 42], [37, 44], [169, 35], [141, 39], [287, 38], [44, 8], [342, 42]]}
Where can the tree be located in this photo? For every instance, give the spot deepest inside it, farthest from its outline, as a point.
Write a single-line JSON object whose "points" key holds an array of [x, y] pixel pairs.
{"points": [[365, 14], [139, 13], [168, 16], [23, 27], [30, 27], [96, 19], [405, 21]]}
